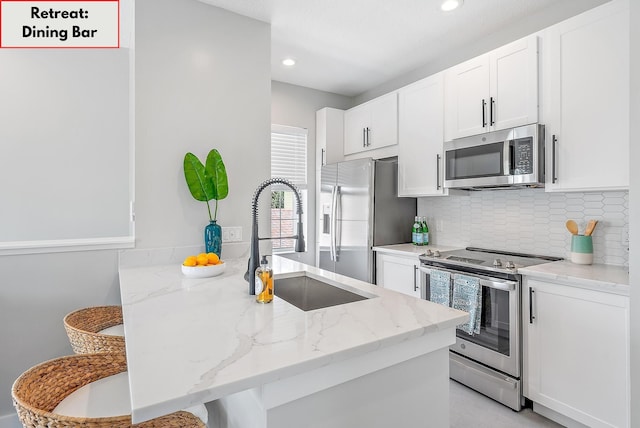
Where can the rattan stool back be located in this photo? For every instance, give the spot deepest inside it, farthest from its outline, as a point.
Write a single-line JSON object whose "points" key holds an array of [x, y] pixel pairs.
{"points": [[83, 328], [40, 389]]}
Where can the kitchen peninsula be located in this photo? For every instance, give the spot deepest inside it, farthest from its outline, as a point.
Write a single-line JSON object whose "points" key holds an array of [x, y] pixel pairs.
{"points": [[377, 362]]}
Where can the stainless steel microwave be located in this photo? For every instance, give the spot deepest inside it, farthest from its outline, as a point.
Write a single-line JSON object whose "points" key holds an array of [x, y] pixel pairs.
{"points": [[511, 157]]}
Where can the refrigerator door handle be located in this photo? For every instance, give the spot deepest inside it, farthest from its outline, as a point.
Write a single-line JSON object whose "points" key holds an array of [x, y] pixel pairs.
{"points": [[332, 226], [334, 229]]}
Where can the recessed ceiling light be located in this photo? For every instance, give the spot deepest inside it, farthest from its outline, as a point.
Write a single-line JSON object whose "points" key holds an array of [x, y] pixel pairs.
{"points": [[289, 62], [449, 5]]}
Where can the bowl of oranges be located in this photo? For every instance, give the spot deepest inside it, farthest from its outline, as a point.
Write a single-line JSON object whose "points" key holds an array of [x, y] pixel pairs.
{"points": [[204, 265]]}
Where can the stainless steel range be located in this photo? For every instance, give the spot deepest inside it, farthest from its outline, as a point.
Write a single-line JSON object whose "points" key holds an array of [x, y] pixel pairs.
{"points": [[489, 358]]}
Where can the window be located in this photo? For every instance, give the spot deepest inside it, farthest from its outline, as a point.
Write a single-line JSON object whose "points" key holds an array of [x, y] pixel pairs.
{"points": [[288, 160]]}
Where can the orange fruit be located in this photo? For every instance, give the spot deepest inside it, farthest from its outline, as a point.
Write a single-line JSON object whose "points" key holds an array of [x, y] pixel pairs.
{"points": [[190, 261], [213, 258], [202, 259]]}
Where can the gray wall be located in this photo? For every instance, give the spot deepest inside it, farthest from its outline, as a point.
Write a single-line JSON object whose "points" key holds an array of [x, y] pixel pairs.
{"points": [[516, 30], [634, 211], [202, 81], [293, 105]]}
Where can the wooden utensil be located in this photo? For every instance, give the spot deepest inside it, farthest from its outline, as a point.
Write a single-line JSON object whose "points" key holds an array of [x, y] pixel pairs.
{"points": [[572, 227], [590, 227]]}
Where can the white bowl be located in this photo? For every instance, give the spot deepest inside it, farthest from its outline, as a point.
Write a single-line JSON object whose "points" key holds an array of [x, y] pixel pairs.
{"points": [[203, 271]]}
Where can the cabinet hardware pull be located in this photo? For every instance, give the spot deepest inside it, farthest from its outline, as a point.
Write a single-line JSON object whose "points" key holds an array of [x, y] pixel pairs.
{"points": [[493, 103], [554, 177], [415, 283], [484, 119], [368, 142], [364, 137], [438, 172], [531, 316], [323, 159]]}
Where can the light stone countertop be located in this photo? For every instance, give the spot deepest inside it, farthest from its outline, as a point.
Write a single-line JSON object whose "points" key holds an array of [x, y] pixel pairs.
{"points": [[191, 341], [606, 278], [411, 250]]}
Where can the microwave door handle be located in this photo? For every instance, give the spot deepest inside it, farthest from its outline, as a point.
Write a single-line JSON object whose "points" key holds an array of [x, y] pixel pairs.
{"points": [[506, 157]]}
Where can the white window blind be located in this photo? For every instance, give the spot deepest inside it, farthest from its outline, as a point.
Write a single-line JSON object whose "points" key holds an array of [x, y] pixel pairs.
{"points": [[288, 160], [289, 154]]}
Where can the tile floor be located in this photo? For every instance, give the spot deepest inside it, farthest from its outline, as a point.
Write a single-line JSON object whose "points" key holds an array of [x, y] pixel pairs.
{"points": [[470, 409]]}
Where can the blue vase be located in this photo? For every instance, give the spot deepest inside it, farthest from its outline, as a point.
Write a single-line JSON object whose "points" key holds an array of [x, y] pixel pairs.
{"points": [[213, 238]]}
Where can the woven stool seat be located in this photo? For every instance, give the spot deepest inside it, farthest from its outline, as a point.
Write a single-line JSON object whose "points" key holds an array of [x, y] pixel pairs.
{"points": [[84, 325], [38, 391]]}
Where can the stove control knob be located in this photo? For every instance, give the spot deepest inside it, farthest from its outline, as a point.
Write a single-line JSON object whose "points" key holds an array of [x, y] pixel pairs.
{"points": [[429, 253], [497, 263], [436, 253], [510, 265]]}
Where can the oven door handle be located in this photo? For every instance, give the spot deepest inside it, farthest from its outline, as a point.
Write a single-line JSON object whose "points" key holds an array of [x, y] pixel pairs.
{"points": [[484, 280]]}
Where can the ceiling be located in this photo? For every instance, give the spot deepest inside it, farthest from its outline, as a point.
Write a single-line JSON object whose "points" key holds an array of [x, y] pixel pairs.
{"points": [[350, 46]]}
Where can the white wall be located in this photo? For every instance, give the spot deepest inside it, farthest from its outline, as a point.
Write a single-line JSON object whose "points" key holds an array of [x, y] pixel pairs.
{"points": [[202, 81], [296, 106], [530, 221], [634, 213]]}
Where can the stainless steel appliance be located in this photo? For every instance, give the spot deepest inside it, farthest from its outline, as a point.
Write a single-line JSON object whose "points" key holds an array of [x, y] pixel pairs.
{"points": [[360, 208], [511, 157], [489, 362]]}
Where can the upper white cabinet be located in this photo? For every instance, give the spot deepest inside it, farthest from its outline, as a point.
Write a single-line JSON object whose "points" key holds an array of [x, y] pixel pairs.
{"points": [[586, 100], [498, 90], [329, 136], [420, 137], [576, 352], [371, 125]]}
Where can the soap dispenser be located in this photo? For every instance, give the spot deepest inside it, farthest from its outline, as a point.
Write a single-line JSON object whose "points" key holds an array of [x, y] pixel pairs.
{"points": [[264, 282]]}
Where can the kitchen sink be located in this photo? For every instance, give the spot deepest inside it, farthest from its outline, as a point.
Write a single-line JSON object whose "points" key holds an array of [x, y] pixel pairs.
{"points": [[308, 293]]}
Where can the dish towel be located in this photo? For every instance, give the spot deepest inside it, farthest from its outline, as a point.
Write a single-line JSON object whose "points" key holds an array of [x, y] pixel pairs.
{"points": [[467, 296], [440, 287]]}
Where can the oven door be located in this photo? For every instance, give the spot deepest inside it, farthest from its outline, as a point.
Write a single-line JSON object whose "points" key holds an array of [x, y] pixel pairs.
{"points": [[497, 345]]}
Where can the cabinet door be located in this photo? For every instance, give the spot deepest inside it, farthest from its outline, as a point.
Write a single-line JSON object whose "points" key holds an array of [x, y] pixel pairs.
{"points": [[356, 120], [398, 274], [587, 73], [468, 97], [329, 136], [577, 352], [514, 84], [420, 137], [383, 129]]}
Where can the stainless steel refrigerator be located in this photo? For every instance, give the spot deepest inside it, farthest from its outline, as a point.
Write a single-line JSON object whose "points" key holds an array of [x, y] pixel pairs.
{"points": [[359, 209]]}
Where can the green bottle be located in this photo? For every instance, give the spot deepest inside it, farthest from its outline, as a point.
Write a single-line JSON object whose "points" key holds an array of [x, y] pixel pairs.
{"points": [[416, 235], [425, 232]]}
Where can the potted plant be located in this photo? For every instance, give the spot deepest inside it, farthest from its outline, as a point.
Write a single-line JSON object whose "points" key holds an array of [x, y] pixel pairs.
{"points": [[207, 182]]}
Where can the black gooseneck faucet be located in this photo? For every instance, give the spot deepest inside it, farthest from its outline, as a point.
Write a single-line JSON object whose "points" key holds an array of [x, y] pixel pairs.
{"points": [[254, 259]]}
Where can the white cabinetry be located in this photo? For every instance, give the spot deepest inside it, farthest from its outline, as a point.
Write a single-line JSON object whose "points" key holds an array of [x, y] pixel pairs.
{"points": [[494, 91], [420, 137], [576, 352], [329, 136], [371, 125], [586, 100], [398, 273]]}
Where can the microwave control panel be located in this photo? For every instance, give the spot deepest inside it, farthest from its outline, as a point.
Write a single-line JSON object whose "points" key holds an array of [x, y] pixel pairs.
{"points": [[522, 156]]}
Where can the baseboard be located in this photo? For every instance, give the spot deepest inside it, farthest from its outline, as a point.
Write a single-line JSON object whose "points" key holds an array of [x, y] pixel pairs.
{"points": [[10, 421]]}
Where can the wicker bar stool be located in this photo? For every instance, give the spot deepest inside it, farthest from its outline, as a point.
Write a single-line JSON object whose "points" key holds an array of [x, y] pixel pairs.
{"points": [[38, 391], [84, 328]]}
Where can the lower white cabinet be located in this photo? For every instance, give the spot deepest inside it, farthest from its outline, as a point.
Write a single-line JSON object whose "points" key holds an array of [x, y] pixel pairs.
{"points": [[398, 273], [576, 352]]}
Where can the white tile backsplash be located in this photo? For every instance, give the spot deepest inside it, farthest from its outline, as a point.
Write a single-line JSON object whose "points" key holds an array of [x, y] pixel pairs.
{"points": [[530, 221]]}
